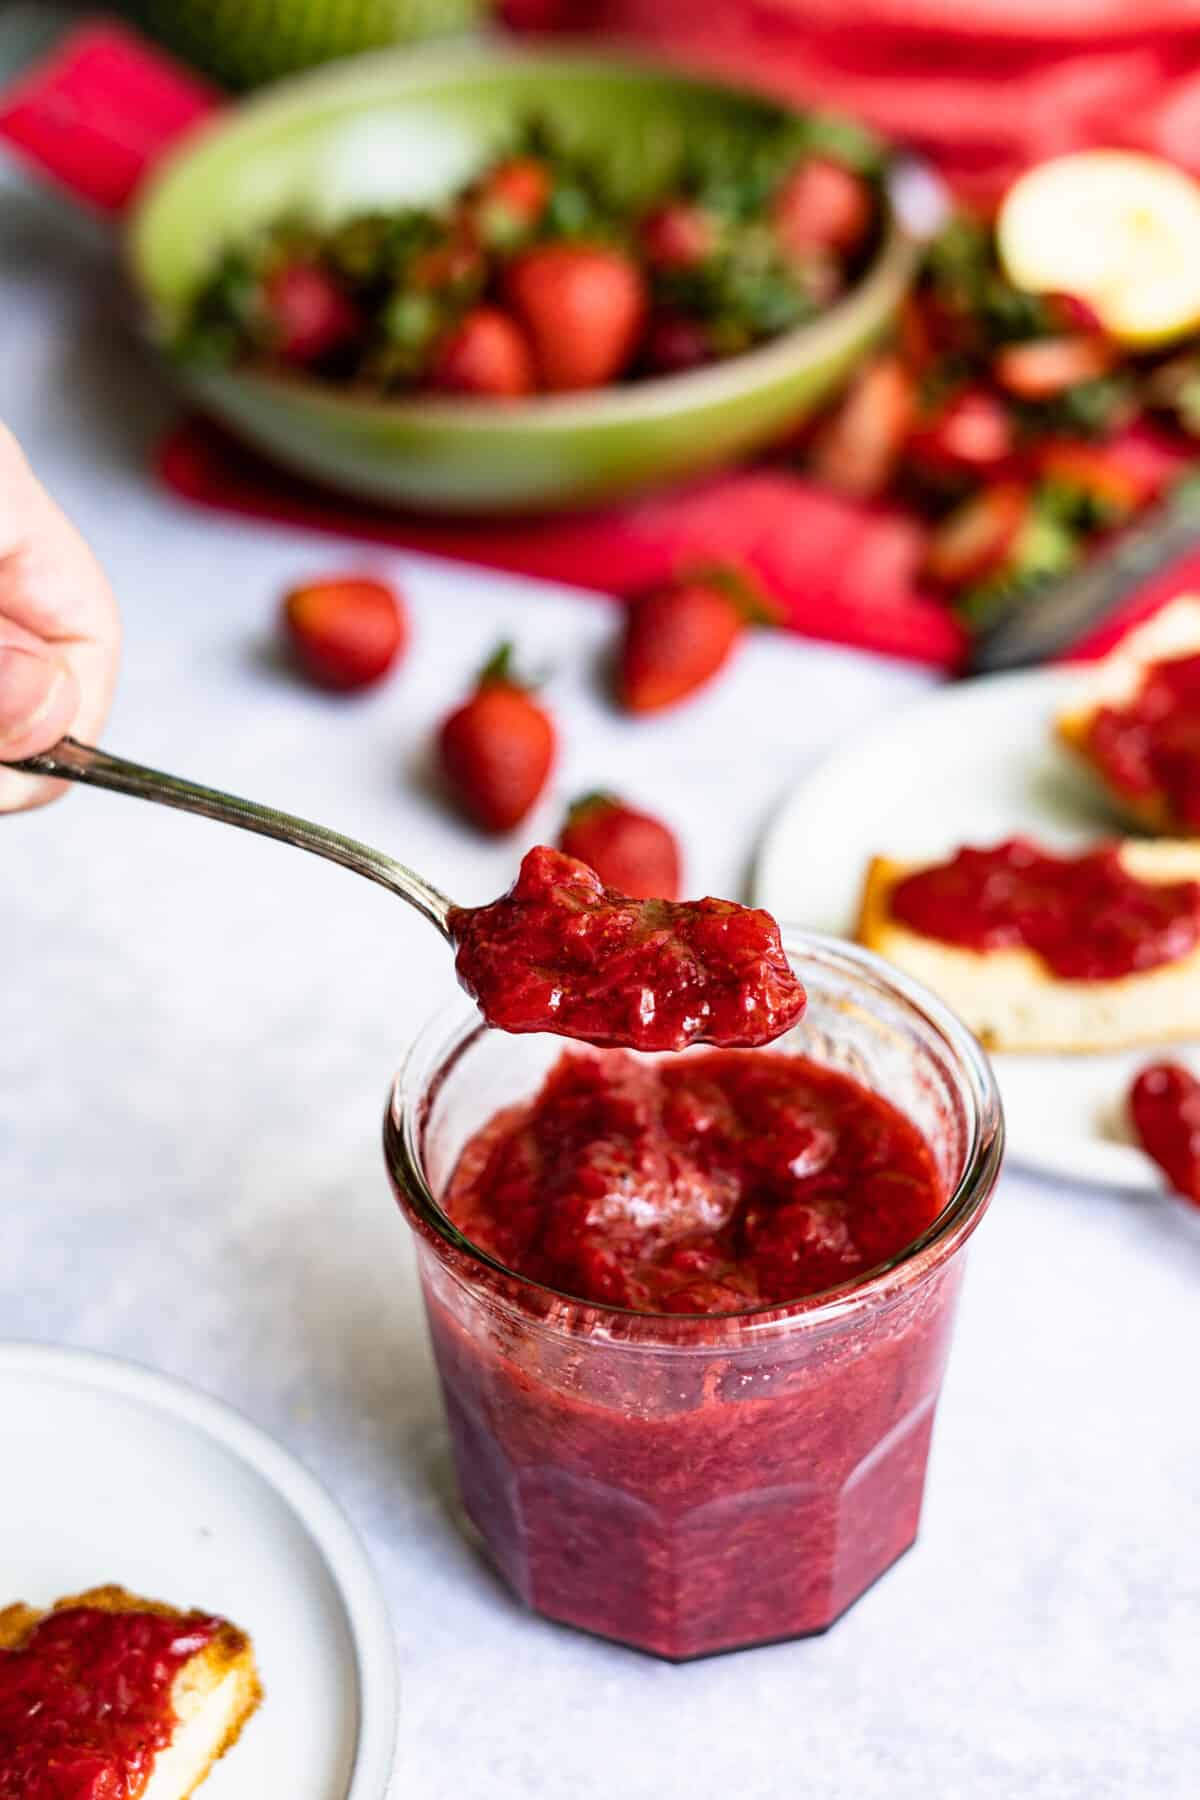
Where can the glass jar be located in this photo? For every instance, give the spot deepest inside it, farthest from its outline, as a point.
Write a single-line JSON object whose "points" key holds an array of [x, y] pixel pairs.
{"points": [[692, 1484]]}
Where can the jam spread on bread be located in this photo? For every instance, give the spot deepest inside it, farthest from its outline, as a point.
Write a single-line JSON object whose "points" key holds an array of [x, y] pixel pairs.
{"points": [[1149, 745], [560, 952], [710, 1184], [1085, 916], [86, 1701]]}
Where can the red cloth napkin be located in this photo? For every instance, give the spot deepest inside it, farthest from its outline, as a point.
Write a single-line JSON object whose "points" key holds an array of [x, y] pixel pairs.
{"points": [[983, 87], [97, 115]]}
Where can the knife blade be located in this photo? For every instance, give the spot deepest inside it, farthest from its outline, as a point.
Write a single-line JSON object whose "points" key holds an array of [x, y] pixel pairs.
{"points": [[1031, 628]]}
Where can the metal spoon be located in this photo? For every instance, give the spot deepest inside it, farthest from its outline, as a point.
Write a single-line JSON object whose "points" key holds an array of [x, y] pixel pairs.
{"points": [[70, 760]]}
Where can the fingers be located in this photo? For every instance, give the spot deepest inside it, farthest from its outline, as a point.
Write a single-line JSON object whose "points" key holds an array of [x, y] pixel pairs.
{"points": [[50, 583], [39, 698], [59, 635]]}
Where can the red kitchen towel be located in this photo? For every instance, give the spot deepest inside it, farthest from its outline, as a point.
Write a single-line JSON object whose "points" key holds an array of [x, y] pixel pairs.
{"points": [[840, 571], [983, 87], [98, 114]]}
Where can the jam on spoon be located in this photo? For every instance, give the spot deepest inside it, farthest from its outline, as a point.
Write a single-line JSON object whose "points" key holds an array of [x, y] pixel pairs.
{"points": [[559, 952]]}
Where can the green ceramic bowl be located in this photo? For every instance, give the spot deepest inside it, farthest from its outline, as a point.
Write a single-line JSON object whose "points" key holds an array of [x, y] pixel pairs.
{"points": [[390, 128]]}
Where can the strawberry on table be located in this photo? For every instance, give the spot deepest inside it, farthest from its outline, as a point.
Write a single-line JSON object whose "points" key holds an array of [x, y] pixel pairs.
{"points": [[346, 631], [308, 314], [498, 747], [487, 354], [582, 306], [975, 540], [630, 851], [678, 637], [822, 206], [1164, 1104]]}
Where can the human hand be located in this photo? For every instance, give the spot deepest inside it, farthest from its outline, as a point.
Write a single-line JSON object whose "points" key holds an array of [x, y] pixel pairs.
{"points": [[59, 630]]}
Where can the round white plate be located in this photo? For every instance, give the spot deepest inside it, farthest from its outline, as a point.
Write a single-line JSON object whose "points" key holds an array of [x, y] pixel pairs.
{"points": [[970, 764], [112, 1473]]}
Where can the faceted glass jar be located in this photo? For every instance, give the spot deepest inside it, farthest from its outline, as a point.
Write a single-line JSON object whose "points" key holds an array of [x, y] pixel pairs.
{"points": [[693, 1484]]}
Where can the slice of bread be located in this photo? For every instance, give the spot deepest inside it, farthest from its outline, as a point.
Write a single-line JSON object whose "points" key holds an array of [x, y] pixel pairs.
{"points": [[1011, 1000], [215, 1693], [1172, 632]]}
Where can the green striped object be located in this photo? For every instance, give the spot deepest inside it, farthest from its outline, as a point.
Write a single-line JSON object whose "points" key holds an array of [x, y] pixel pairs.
{"points": [[244, 42]]}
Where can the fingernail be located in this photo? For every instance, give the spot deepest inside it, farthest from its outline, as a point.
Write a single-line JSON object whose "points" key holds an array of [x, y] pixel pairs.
{"points": [[28, 685]]}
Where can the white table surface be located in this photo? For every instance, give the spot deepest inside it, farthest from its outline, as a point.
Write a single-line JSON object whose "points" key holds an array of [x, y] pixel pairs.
{"points": [[197, 1032]]}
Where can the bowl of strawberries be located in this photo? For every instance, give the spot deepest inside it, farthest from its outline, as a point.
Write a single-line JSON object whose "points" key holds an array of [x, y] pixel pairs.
{"points": [[516, 282]]}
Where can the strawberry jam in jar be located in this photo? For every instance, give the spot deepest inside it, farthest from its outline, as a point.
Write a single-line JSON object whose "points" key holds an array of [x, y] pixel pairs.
{"points": [[691, 1313]]}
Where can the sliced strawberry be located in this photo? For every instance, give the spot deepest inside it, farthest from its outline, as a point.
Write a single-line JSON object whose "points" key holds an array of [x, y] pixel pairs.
{"points": [[1047, 367], [1071, 313], [678, 234], [582, 306], [822, 205], [497, 749], [346, 631], [630, 851], [679, 636], [486, 354], [859, 446], [975, 540], [309, 314], [1108, 480], [971, 435]]}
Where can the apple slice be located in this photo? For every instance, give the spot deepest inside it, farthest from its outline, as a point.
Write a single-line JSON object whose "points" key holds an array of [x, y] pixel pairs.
{"points": [[1119, 229]]}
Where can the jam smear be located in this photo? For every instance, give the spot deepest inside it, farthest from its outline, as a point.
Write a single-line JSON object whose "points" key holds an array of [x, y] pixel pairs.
{"points": [[1165, 1106], [708, 1185], [1149, 746], [1086, 916], [560, 952], [86, 1701]]}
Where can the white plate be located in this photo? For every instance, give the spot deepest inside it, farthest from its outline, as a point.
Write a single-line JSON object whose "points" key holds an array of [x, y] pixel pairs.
{"points": [[970, 764], [114, 1473]]}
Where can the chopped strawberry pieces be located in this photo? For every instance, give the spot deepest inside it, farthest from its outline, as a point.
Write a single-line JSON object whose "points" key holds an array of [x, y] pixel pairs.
{"points": [[978, 536]]}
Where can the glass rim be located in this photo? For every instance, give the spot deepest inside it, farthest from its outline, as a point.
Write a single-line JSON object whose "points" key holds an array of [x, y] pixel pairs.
{"points": [[457, 1026]]}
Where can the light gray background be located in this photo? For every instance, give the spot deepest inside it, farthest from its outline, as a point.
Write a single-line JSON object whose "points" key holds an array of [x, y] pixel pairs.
{"points": [[197, 1033]]}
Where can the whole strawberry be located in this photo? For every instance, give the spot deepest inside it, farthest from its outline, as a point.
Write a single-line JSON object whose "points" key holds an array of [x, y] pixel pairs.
{"points": [[629, 850], [679, 636], [582, 306], [498, 747], [346, 631]]}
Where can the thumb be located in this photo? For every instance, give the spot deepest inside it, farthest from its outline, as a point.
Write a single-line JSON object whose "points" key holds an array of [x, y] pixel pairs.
{"points": [[38, 696]]}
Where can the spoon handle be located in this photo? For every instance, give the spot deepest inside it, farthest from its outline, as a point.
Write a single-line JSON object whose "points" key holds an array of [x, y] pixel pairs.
{"points": [[70, 760]]}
